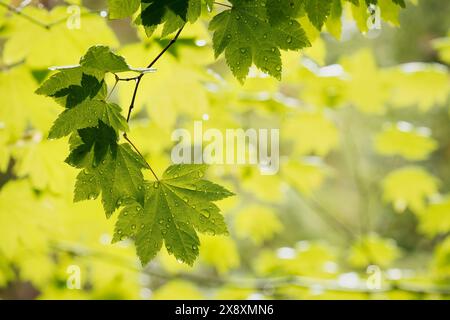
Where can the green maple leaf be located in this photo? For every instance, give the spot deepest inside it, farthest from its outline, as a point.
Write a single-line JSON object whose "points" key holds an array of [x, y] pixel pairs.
{"points": [[71, 87], [247, 37], [318, 11], [116, 173], [172, 13], [119, 9], [279, 10], [82, 91], [172, 210], [102, 59], [88, 114], [89, 146]]}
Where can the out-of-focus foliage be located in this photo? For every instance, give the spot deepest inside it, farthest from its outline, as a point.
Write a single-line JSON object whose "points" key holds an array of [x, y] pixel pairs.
{"points": [[363, 183]]}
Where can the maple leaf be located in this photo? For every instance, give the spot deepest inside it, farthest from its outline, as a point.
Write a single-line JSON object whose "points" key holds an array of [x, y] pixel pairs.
{"points": [[88, 114], [70, 87], [119, 9], [117, 176], [171, 211], [318, 11], [246, 36]]}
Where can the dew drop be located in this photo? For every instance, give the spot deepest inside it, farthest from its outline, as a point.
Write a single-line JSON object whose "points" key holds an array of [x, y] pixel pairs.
{"points": [[205, 213]]}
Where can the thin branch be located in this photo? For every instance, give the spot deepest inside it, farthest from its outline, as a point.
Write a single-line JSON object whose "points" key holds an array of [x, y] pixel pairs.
{"points": [[127, 79], [18, 12], [139, 78], [260, 284], [7, 67], [329, 217]]}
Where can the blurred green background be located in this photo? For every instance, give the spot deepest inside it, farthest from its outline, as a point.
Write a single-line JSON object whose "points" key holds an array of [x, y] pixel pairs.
{"points": [[359, 210]]}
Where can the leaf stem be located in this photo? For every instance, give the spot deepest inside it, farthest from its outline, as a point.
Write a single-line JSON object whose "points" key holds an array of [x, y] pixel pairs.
{"points": [[223, 4], [125, 136]]}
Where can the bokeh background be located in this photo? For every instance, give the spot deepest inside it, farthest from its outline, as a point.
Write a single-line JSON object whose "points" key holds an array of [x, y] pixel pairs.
{"points": [[359, 210]]}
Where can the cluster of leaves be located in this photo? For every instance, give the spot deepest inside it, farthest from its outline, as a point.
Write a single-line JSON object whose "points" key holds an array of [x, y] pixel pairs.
{"points": [[247, 31], [172, 210], [43, 232]]}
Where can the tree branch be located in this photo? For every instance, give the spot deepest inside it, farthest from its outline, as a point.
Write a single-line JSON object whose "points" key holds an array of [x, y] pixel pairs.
{"points": [[47, 26], [260, 284], [17, 11], [139, 78]]}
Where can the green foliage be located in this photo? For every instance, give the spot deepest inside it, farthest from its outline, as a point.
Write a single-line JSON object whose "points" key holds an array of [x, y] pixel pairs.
{"points": [[114, 170], [360, 144], [246, 37], [171, 210], [119, 9], [248, 31]]}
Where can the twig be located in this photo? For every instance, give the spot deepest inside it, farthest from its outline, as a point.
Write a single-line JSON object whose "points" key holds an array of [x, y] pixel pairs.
{"points": [[18, 12], [128, 79], [254, 283], [12, 65], [47, 26], [139, 78]]}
